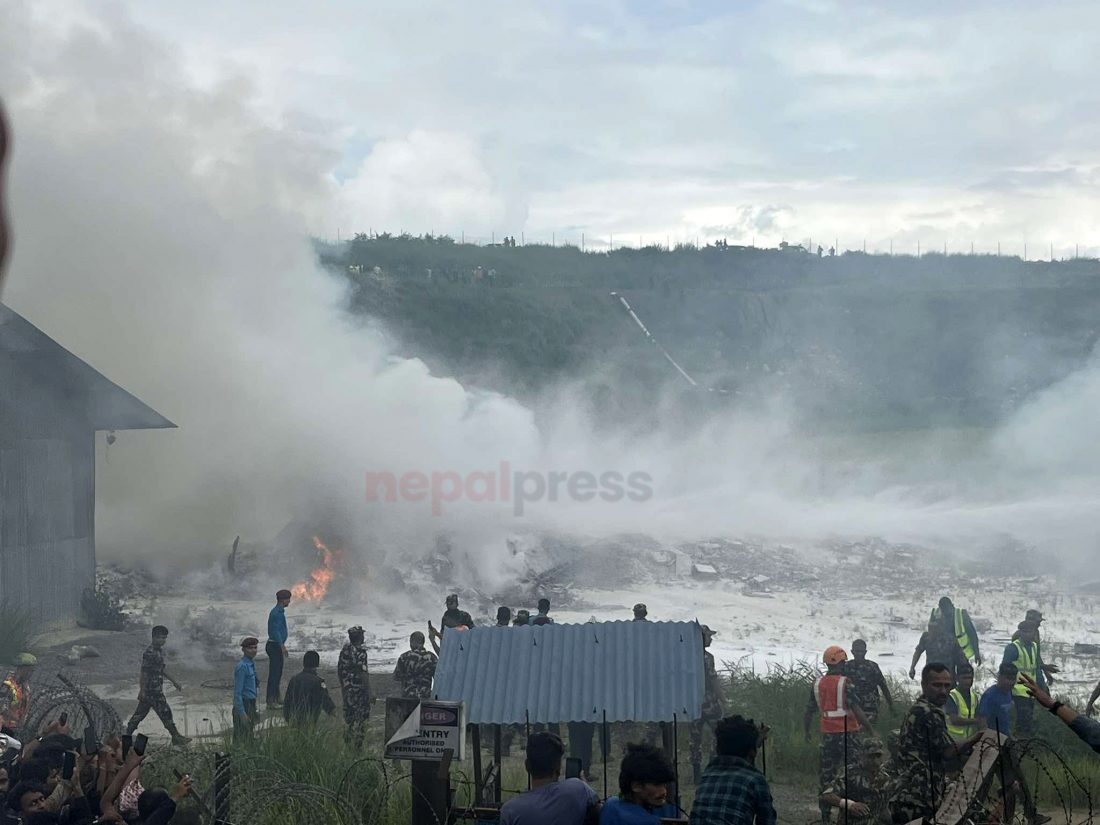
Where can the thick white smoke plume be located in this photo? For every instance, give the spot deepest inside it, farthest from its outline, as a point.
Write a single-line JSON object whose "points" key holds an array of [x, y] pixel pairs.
{"points": [[161, 234]]}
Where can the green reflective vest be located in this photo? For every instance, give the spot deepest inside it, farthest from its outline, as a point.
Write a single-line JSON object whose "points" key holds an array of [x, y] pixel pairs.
{"points": [[1027, 661], [966, 711]]}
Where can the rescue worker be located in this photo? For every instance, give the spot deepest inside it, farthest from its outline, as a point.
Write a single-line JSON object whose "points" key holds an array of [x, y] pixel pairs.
{"points": [[1024, 653], [504, 616], [713, 707], [641, 612], [957, 623], [354, 686], [307, 694], [868, 680], [864, 795], [416, 669], [246, 687], [1037, 617], [151, 688], [962, 706], [926, 752], [452, 618], [842, 719], [15, 696]]}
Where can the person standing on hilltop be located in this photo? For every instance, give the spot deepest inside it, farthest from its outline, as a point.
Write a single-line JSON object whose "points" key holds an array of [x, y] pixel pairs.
{"points": [[276, 648]]}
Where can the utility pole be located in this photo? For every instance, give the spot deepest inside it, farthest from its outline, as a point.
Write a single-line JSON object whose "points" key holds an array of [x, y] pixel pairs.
{"points": [[891, 247], [1052, 252], [998, 249], [611, 243], [522, 239], [582, 242], [918, 249], [971, 247], [945, 249], [1025, 250]]}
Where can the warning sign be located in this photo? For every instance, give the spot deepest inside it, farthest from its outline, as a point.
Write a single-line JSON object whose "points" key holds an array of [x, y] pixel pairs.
{"points": [[424, 729]]}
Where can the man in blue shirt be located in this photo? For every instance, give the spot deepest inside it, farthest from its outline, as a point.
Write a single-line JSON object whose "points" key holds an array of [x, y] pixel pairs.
{"points": [[995, 707], [644, 774], [246, 688], [551, 801], [276, 647]]}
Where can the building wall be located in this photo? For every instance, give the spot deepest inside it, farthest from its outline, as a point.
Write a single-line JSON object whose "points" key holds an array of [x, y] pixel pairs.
{"points": [[47, 524]]}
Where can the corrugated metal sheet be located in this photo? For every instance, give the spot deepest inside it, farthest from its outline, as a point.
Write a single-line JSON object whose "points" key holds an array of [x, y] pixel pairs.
{"points": [[635, 671]]}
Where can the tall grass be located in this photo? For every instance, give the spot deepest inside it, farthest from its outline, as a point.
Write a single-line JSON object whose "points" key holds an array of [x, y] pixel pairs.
{"points": [[290, 775], [17, 633]]}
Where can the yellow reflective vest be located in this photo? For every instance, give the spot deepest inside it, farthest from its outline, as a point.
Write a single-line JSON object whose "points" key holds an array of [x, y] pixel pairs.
{"points": [[966, 711], [961, 636], [1027, 661]]}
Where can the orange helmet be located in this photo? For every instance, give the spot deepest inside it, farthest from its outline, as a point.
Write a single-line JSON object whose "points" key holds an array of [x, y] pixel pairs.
{"points": [[834, 655]]}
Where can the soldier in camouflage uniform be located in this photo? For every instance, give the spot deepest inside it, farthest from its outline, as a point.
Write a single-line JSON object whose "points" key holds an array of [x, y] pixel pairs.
{"points": [[713, 706], [927, 755], [355, 686], [868, 680], [151, 690], [415, 669], [863, 796]]}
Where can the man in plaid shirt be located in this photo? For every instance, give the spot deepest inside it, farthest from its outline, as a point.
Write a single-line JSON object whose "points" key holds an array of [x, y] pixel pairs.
{"points": [[732, 790]]}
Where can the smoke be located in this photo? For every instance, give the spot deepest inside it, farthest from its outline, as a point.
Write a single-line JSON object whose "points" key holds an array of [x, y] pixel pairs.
{"points": [[161, 234]]}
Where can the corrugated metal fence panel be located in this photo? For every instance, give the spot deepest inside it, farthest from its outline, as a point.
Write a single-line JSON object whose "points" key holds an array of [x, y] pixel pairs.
{"points": [[635, 671], [47, 547]]}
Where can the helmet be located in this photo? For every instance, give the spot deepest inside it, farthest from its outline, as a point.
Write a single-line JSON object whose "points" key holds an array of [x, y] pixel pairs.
{"points": [[26, 660], [834, 655]]}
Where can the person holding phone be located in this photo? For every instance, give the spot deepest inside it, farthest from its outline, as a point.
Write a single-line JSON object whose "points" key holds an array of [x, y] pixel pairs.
{"points": [[151, 688], [551, 800]]}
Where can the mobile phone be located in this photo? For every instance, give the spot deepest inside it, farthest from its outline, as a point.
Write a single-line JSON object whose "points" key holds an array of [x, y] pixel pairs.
{"points": [[69, 765], [572, 767], [140, 741], [127, 743], [63, 719], [90, 745]]}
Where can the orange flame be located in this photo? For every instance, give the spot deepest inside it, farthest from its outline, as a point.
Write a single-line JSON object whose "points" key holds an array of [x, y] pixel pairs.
{"points": [[316, 586]]}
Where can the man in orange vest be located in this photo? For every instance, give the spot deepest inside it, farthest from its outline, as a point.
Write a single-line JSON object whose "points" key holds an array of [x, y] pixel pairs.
{"points": [[841, 720], [14, 693]]}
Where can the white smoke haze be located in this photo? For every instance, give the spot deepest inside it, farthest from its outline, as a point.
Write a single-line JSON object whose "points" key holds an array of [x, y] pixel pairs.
{"points": [[161, 233]]}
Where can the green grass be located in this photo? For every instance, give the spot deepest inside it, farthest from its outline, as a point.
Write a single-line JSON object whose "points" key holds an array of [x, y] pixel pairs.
{"points": [[289, 776], [18, 634]]}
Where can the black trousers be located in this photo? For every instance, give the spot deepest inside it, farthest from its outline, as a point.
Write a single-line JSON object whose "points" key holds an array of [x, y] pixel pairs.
{"points": [[275, 660], [243, 727]]}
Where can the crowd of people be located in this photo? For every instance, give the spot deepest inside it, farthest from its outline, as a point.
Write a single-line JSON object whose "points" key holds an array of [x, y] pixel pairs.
{"points": [[860, 778]]}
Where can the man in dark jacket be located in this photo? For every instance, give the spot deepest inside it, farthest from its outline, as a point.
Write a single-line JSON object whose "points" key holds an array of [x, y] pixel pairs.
{"points": [[307, 694]]}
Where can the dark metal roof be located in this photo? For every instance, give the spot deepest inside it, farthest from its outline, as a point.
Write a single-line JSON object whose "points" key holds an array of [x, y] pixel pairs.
{"points": [[640, 671], [41, 374]]}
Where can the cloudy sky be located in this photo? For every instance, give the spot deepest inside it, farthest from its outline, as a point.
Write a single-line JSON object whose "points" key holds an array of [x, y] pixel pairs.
{"points": [[667, 119]]}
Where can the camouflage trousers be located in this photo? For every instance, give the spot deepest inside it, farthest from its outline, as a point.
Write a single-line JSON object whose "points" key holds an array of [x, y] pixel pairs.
{"points": [[157, 703], [832, 756], [697, 730], [356, 713]]}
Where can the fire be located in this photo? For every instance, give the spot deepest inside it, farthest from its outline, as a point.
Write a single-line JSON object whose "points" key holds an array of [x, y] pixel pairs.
{"points": [[316, 586]]}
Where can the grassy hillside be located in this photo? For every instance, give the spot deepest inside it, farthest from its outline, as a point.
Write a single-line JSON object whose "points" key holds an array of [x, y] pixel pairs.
{"points": [[885, 341]]}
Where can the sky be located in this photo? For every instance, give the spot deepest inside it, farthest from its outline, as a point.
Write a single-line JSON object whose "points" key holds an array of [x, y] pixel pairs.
{"points": [[171, 160], [668, 120]]}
